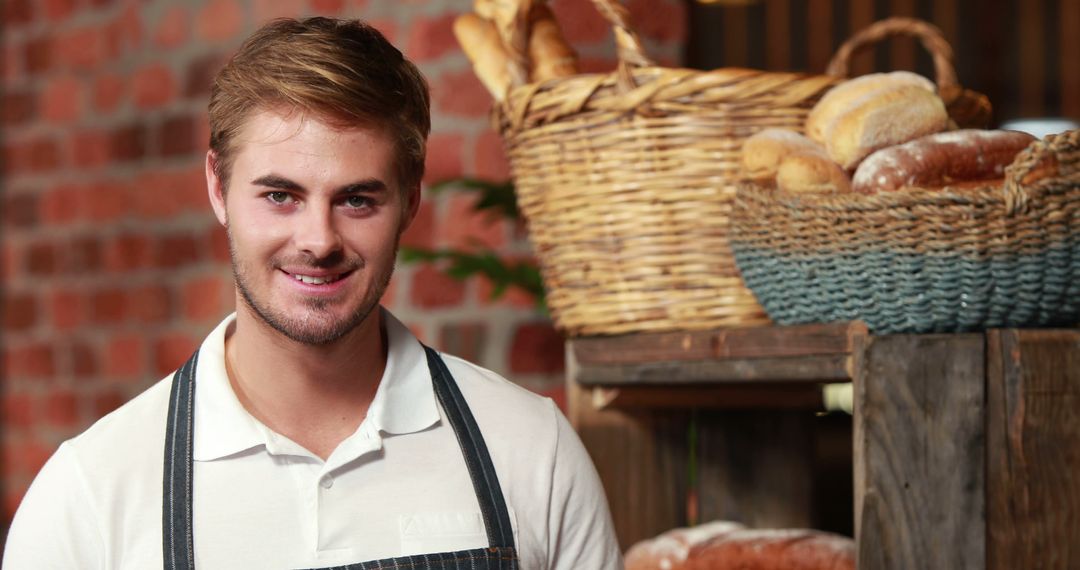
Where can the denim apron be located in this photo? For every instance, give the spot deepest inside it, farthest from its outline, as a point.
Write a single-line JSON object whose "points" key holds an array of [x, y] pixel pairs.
{"points": [[177, 525]]}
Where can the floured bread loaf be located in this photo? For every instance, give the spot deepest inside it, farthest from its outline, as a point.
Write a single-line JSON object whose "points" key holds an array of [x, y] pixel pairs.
{"points": [[729, 546], [942, 159], [763, 152], [883, 118], [839, 99]]}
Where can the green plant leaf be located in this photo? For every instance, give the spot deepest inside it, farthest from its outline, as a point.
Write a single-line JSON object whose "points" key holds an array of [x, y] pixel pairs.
{"points": [[501, 273], [495, 197]]}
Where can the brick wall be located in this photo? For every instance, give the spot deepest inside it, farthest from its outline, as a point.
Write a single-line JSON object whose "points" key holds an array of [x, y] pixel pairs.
{"points": [[113, 266]]}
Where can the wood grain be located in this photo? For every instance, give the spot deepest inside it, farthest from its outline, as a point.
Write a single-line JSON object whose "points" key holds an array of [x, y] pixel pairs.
{"points": [[919, 453], [812, 369], [1033, 449]]}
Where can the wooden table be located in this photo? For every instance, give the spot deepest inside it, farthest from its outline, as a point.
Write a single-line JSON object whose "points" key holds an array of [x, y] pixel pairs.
{"points": [[963, 452]]}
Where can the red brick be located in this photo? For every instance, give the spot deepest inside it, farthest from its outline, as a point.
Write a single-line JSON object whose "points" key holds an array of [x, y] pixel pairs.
{"points": [[388, 28], [327, 7], [663, 21], [461, 94], [125, 32], [219, 244], [580, 22], [110, 90], [266, 10], [62, 204], [176, 135], [21, 210], [13, 61], [58, 10], [127, 252], [20, 107], [41, 259], [511, 297], [150, 304], [154, 195], [200, 74], [107, 401], [421, 232], [596, 64], [203, 298], [44, 155], [29, 361], [111, 200], [67, 308], [25, 457], [463, 227], [432, 288], [83, 255], [491, 162], [557, 395], [17, 13], [171, 350], [127, 142], [108, 306], [153, 86], [81, 48], [443, 157], [464, 340], [38, 56], [90, 148], [84, 360], [219, 20], [20, 312], [19, 411], [431, 38], [10, 262], [125, 357], [537, 348], [173, 28], [61, 100], [61, 409], [177, 250]]}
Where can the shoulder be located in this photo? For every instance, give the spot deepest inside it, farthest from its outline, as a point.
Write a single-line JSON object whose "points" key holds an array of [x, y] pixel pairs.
{"points": [[490, 395]]}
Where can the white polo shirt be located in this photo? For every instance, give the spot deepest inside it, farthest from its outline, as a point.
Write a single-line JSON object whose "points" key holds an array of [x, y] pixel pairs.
{"points": [[397, 486]]}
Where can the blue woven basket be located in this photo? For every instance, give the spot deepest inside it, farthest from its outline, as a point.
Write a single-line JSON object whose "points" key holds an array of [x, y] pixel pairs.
{"points": [[922, 260]]}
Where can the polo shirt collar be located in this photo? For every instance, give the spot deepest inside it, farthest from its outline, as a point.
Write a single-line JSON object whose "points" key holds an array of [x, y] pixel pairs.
{"points": [[404, 401]]}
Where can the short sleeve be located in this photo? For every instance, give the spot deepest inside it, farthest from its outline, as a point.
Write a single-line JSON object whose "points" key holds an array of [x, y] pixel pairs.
{"points": [[55, 526]]}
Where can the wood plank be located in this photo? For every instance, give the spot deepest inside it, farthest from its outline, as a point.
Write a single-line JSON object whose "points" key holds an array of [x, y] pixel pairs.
{"points": [[902, 48], [736, 38], [641, 458], [753, 342], [1070, 46], [1032, 58], [777, 35], [813, 369], [731, 397], [919, 452], [757, 468], [1033, 449], [819, 37], [862, 15]]}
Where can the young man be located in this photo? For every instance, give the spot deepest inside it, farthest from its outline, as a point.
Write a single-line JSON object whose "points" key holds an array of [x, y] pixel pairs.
{"points": [[311, 429]]}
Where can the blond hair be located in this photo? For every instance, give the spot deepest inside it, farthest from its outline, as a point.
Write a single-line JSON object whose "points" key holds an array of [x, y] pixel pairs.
{"points": [[342, 71]]}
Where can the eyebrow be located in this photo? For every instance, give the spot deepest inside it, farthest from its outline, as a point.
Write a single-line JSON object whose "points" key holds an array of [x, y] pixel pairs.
{"points": [[281, 183]]}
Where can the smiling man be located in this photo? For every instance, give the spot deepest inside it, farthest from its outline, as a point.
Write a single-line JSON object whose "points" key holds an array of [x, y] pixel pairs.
{"points": [[311, 429]]}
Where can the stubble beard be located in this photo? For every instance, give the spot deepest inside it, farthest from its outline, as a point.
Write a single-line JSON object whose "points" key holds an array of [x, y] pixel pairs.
{"points": [[312, 331]]}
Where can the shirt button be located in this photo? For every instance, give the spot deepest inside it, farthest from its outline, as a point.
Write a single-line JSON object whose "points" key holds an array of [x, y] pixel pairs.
{"points": [[326, 481]]}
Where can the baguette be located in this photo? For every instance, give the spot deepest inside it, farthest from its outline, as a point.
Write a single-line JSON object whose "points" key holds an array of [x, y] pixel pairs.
{"points": [[550, 56], [943, 159], [840, 98], [491, 62], [884, 118]]}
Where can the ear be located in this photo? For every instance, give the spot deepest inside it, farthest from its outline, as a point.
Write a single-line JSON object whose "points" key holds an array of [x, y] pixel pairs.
{"points": [[215, 189], [412, 206]]}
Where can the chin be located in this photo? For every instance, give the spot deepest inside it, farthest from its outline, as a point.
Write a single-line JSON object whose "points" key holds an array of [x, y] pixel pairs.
{"points": [[317, 325]]}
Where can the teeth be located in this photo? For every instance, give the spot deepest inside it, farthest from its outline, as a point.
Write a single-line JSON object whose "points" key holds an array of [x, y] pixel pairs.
{"points": [[315, 280]]}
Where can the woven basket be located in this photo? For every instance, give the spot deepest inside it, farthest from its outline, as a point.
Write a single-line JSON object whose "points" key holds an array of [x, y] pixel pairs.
{"points": [[626, 180], [922, 260]]}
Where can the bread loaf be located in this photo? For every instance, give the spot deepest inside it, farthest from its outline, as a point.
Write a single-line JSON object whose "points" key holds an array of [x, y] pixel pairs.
{"points": [[883, 118], [940, 160], [730, 546], [811, 173], [549, 55], [482, 45], [763, 152], [839, 99]]}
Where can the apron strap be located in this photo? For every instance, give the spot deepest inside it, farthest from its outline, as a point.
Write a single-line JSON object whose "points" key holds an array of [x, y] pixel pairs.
{"points": [[179, 540], [481, 470]]}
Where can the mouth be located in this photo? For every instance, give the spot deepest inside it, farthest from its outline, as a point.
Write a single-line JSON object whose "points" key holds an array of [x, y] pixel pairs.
{"points": [[320, 279]]}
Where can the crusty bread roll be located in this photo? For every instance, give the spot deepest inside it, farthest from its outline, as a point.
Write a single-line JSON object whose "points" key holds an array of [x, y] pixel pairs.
{"points": [[549, 55], [883, 118], [482, 45], [763, 152], [729, 546], [839, 99], [811, 173], [941, 159]]}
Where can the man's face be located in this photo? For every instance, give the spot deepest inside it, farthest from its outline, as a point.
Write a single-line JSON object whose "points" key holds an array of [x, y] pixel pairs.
{"points": [[313, 213]]}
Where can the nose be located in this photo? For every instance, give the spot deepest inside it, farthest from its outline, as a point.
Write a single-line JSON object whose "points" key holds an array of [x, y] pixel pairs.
{"points": [[316, 232]]}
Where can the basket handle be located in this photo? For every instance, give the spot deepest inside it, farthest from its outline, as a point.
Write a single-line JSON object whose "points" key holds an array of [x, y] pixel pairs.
{"points": [[932, 39], [1054, 157], [628, 47]]}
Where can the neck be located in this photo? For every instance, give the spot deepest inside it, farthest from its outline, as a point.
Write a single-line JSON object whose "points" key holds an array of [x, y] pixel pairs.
{"points": [[315, 395]]}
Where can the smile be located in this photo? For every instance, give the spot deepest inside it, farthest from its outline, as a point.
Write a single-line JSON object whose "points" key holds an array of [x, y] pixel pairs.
{"points": [[317, 280]]}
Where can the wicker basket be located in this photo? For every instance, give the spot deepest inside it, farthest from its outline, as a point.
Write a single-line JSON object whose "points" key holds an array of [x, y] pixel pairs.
{"points": [[626, 180]]}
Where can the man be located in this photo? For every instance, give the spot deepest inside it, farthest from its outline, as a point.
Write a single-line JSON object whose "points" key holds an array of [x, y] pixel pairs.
{"points": [[311, 429]]}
